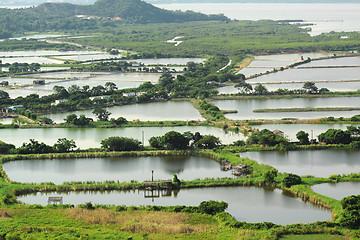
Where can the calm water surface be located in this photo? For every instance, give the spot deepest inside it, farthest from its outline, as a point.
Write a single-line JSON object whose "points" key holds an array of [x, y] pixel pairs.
{"points": [[248, 71], [89, 57], [346, 61], [91, 137], [166, 61], [292, 57], [312, 74], [120, 169], [157, 111], [38, 53], [41, 60], [317, 163], [270, 63], [121, 80], [245, 108], [337, 190], [248, 204]]}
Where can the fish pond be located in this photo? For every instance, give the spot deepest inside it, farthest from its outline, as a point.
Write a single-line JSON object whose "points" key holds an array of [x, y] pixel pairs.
{"points": [[337, 190], [319, 163], [123, 169], [248, 204], [245, 108], [156, 111], [309, 75]]}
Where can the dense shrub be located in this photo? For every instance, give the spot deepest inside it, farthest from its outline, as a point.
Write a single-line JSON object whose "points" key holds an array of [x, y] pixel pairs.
{"points": [[121, 144], [291, 179], [351, 214], [212, 207]]}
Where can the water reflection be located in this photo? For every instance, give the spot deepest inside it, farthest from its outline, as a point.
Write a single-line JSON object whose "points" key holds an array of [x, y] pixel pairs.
{"points": [[320, 163], [337, 190], [117, 169], [248, 204], [245, 108]]}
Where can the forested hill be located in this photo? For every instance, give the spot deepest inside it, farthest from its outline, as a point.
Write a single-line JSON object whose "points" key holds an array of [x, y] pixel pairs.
{"points": [[129, 10], [62, 16]]}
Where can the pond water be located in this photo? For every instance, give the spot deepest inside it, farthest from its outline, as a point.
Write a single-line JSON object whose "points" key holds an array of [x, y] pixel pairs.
{"points": [[326, 17], [53, 68], [312, 74], [337, 190], [121, 80], [156, 111], [22, 81], [123, 169], [345, 61], [66, 79], [332, 86], [245, 107], [91, 137], [40, 36], [39, 53], [166, 61], [64, 75], [248, 204], [291, 130], [40, 60], [270, 63], [293, 56], [248, 71], [23, 92], [89, 57], [320, 163]]}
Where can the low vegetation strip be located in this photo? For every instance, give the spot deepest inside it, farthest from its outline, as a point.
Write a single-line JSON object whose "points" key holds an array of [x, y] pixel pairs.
{"points": [[321, 109]]}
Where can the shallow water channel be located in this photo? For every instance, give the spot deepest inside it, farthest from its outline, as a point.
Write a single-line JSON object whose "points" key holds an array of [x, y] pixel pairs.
{"points": [[248, 204], [319, 163]]}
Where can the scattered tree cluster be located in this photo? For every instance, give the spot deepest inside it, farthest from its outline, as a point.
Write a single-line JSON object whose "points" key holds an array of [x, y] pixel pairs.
{"points": [[175, 140], [266, 137], [34, 147]]}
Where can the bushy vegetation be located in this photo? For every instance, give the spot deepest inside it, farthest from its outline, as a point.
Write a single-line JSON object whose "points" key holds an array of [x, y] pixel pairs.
{"points": [[121, 144], [176, 141], [291, 179], [351, 214], [267, 138]]}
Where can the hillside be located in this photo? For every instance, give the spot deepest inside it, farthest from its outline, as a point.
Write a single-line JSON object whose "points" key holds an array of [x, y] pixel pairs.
{"points": [[87, 2], [62, 16], [127, 10], [140, 11]]}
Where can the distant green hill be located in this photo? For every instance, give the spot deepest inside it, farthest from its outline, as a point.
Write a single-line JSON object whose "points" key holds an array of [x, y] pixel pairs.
{"points": [[62, 16], [128, 10]]}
